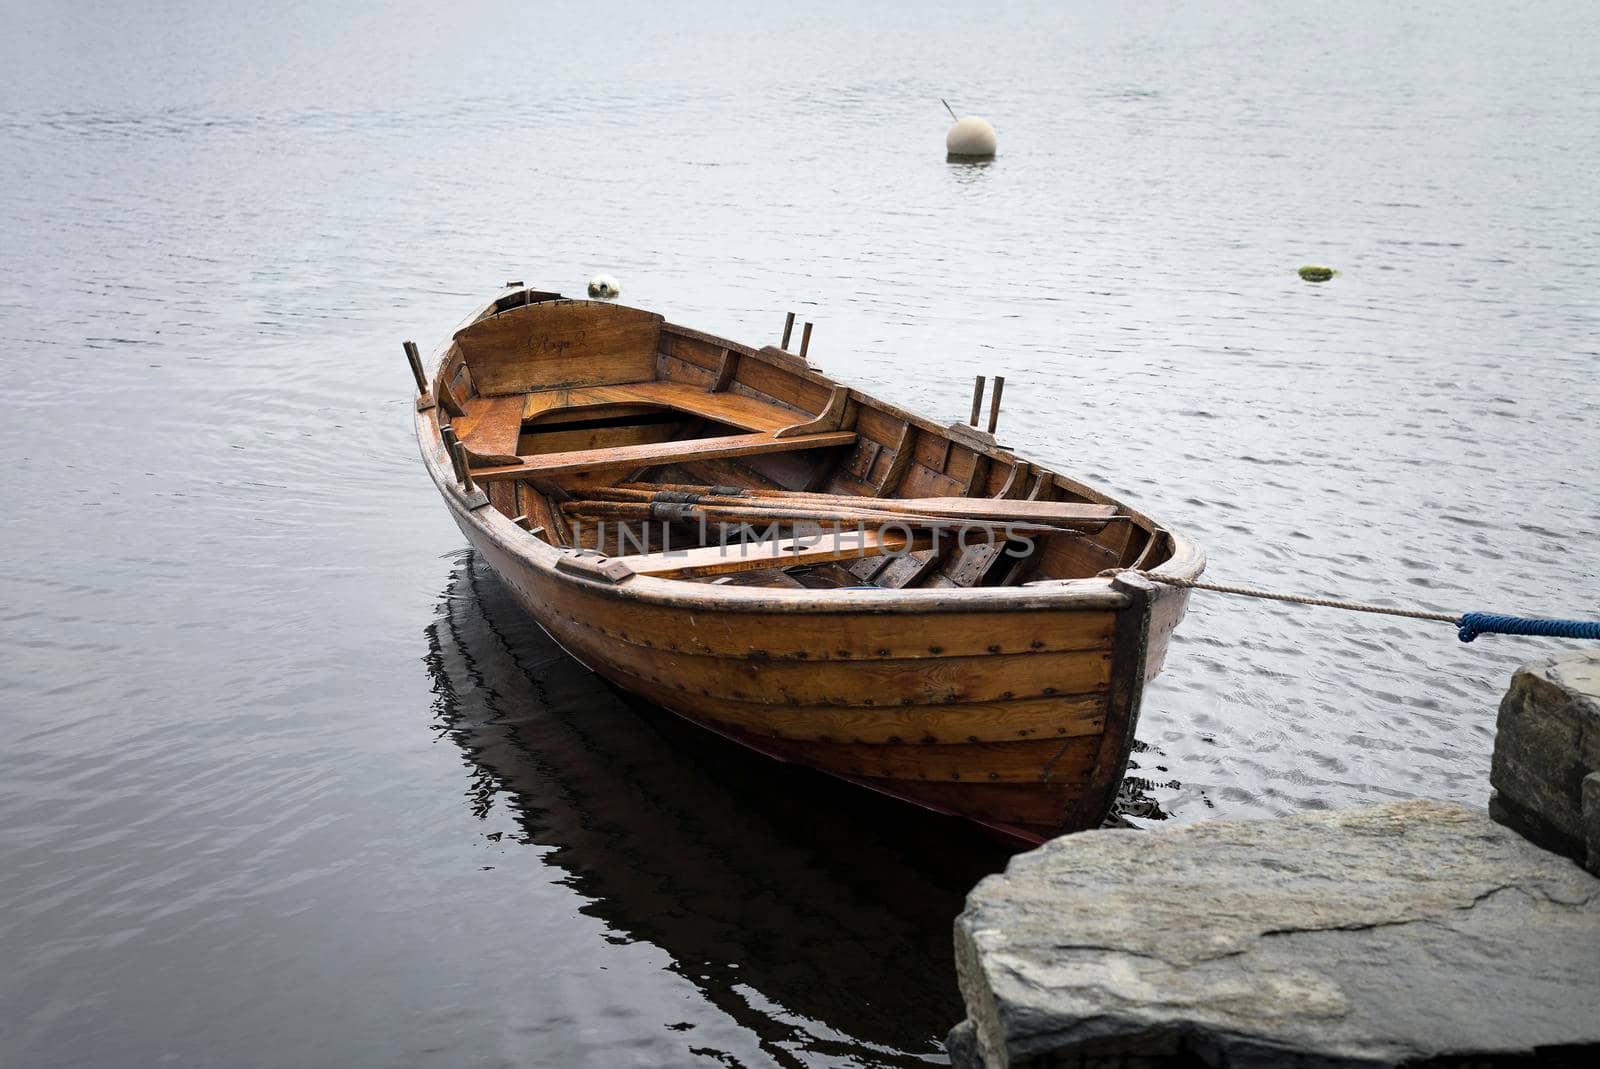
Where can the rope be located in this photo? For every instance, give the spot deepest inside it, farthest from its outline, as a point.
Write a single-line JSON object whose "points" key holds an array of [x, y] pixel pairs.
{"points": [[1469, 625], [1474, 624]]}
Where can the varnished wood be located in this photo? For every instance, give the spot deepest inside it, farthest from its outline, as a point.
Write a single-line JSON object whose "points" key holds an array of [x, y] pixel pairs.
{"points": [[829, 419], [488, 427], [725, 371], [735, 445], [560, 343], [589, 402], [1013, 706]]}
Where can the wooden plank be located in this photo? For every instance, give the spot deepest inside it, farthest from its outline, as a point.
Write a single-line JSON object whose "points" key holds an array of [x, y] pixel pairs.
{"points": [[692, 350], [785, 553], [876, 683], [746, 412], [780, 385], [560, 343], [490, 425], [556, 440], [671, 369], [931, 450], [734, 409], [634, 456], [775, 636], [924, 725]]}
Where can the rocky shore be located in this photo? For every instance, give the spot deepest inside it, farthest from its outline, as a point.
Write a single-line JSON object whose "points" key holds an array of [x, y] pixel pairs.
{"points": [[1406, 934]]}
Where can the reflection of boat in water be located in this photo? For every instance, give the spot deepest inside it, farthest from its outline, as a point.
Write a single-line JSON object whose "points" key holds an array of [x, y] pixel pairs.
{"points": [[817, 920]]}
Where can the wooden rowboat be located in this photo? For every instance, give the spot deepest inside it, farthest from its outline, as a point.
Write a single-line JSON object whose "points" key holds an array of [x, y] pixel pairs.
{"points": [[823, 577]]}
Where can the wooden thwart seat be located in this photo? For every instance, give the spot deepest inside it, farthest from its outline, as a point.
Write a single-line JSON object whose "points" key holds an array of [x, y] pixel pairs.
{"points": [[651, 454], [731, 408], [490, 427]]}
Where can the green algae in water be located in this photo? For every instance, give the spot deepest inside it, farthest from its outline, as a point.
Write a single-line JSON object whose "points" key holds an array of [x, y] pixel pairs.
{"points": [[1313, 273]]}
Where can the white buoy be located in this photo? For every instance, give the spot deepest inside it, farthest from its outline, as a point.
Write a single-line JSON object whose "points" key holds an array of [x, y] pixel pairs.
{"points": [[971, 137], [604, 286]]}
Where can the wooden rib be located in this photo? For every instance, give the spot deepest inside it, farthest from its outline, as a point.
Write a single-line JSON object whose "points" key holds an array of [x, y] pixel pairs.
{"points": [[445, 395], [542, 514], [1016, 484], [829, 419], [1144, 553], [897, 463], [725, 371], [633, 456]]}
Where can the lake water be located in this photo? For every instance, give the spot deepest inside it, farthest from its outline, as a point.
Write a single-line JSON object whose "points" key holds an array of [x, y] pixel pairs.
{"points": [[286, 777]]}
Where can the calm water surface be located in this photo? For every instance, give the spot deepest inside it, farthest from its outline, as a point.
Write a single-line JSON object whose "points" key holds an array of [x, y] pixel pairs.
{"points": [[287, 779]]}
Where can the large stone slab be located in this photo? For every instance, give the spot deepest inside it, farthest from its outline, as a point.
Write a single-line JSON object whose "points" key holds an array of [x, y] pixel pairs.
{"points": [[1412, 933], [1546, 746]]}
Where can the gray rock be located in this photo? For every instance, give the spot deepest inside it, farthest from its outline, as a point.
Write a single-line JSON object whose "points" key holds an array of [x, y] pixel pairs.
{"points": [[1402, 934], [1547, 740]]}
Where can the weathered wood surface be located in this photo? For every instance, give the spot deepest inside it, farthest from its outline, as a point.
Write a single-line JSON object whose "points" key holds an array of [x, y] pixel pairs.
{"points": [[1013, 709], [634, 456], [560, 343], [1050, 513], [733, 409], [489, 426]]}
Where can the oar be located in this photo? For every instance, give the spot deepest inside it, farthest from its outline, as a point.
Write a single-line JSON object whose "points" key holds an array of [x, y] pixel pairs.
{"points": [[1057, 514], [681, 512]]}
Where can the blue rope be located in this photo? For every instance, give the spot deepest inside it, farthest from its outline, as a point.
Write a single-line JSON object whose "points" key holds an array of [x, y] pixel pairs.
{"points": [[1469, 626], [1474, 624]]}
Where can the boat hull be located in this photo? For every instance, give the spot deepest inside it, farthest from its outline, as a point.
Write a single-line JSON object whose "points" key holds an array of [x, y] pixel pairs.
{"points": [[1019, 719]]}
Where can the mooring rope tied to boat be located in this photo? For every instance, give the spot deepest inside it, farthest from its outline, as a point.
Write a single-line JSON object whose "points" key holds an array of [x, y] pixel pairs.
{"points": [[1469, 625]]}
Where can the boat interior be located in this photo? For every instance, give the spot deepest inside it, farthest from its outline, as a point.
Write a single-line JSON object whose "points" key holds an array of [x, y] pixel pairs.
{"points": [[672, 453]]}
